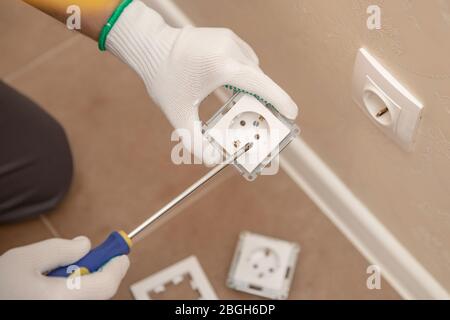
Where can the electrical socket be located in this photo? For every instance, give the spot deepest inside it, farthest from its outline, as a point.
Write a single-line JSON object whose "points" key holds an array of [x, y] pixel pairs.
{"points": [[244, 119], [386, 101], [263, 266]]}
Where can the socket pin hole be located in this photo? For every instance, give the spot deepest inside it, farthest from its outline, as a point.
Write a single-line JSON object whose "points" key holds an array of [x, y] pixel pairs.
{"points": [[377, 107], [255, 266], [257, 136], [243, 123], [256, 123], [288, 271]]}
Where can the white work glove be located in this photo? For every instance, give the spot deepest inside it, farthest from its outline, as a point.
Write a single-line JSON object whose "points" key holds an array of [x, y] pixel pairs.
{"points": [[182, 66], [22, 272]]}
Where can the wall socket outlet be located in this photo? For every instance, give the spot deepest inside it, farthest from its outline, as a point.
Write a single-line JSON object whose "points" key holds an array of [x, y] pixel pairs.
{"points": [[263, 266], [390, 106], [244, 119]]}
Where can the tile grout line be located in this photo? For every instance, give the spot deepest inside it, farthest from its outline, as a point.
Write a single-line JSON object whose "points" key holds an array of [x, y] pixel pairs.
{"points": [[41, 58], [49, 226]]}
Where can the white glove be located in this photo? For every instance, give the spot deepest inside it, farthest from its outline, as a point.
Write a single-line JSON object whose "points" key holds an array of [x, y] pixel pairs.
{"points": [[22, 272], [181, 67]]}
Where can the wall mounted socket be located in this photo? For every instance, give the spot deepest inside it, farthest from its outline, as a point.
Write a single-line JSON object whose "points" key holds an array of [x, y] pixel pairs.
{"points": [[390, 106], [263, 266], [244, 119]]}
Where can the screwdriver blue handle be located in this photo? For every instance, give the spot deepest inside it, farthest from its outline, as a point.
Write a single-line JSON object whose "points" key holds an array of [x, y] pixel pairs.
{"points": [[118, 243]]}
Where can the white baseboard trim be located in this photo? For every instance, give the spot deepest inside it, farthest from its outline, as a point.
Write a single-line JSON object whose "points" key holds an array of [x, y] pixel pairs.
{"points": [[359, 224], [342, 207]]}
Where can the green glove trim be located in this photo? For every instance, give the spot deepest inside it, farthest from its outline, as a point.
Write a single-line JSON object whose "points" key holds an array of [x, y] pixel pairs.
{"points": [[110, 23], [239, 90]]}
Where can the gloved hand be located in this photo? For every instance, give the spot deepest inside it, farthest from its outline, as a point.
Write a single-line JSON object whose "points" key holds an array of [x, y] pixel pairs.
{"points": [[182, 66], [22, 272]]}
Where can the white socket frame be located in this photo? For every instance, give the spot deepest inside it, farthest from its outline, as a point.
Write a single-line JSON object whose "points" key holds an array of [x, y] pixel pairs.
{"points": [[156, 282]]}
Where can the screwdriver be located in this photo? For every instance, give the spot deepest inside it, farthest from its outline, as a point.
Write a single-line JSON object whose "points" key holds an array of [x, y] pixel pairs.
{"points": [[119, 242]]}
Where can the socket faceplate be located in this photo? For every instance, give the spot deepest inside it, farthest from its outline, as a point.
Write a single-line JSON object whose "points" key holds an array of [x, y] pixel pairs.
{"points": [[263, 266], [390, 106], [244, 119], [157, 282]]}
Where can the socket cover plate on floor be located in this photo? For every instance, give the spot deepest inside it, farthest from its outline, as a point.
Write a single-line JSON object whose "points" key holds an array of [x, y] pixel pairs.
{"points": [[174, 274], [263, 266], [375, 89]]}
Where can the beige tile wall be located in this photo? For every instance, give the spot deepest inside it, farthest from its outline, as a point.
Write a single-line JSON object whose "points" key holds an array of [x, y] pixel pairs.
{"points": [[309, 47]]}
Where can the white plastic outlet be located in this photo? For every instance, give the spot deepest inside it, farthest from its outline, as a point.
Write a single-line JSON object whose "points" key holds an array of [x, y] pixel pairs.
{"points": [[263, 266], [390, 106], [244, 119]]}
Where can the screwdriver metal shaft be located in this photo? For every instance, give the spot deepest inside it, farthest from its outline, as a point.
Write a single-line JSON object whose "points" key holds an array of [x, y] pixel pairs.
{"points": [[119, 243], [186, 193]]}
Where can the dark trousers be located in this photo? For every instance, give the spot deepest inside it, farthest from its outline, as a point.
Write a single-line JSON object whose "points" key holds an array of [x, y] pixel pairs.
{"points": [[35, 160]]}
